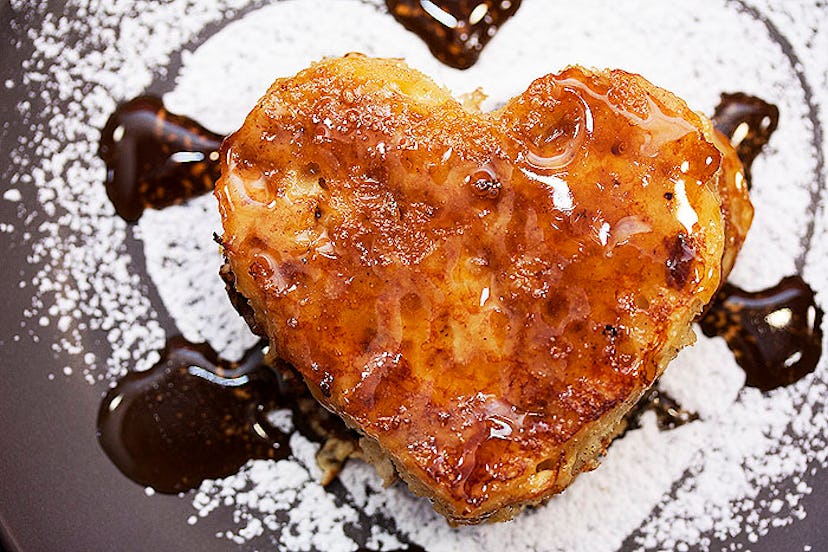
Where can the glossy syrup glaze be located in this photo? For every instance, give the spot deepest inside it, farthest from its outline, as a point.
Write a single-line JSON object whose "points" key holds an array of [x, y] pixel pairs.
{"points": [[775, 334], [456, 31], [502, 281], [155, 158]]}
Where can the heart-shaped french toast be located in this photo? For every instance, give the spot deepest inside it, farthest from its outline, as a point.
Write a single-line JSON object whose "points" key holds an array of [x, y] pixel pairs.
{"points": [[482, 296]]}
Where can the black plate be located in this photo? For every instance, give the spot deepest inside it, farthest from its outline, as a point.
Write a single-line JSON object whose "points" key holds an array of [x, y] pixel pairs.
{"points": [[58, 491]]}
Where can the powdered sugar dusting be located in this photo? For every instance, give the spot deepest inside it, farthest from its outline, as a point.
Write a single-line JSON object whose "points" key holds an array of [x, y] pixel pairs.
{"points": [[183, 260], [282, 502], [87, 282], [740, 470]]}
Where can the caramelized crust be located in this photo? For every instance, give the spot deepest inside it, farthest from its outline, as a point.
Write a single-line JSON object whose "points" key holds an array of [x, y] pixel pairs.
{"points": [[482, 296]]}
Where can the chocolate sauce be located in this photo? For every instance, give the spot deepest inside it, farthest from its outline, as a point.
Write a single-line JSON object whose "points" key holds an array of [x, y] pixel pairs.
{"points": [[155, 158], [669, 413], [196, 416], [748, 123], [192, 416], [456, 31], [409, 547], [775, 334]]}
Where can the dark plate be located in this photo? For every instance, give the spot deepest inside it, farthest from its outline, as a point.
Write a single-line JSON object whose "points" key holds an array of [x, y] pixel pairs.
{"points": [[58, 490]]}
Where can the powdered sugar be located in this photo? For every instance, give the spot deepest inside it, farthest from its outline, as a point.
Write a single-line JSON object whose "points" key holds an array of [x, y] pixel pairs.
{"points": [[77, 71], [12, 194], [183, 260], [740, 469], [281, 501]]}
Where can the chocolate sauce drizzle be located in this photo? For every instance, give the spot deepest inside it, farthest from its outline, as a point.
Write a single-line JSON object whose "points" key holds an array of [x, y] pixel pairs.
{"points": [[155, 158], [775, 334], [748, 123], [456, 31], [669, 413], [192, 416], [195, 416]]}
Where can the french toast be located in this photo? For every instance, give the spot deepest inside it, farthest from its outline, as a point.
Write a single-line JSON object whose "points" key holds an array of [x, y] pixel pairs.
{"points": [[482, 296]]}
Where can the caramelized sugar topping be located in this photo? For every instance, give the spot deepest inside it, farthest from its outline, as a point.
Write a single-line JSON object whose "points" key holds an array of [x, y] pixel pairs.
{"points": [[472, 290]]}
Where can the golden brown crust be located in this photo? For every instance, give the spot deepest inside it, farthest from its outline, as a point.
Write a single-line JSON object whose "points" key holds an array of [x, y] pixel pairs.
{"points": [[737, 209], [481, 295]]}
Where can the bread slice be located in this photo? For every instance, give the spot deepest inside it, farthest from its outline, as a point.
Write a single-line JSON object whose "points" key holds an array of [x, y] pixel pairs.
{"points": [[482, 296]]}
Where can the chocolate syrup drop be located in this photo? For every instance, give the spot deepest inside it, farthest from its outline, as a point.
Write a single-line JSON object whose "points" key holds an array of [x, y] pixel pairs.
{"points": [[748, 123], [155, 158], [192, 416], [195, 416], [409, 547], [775, 334], [456, 31], [669, 413]]}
